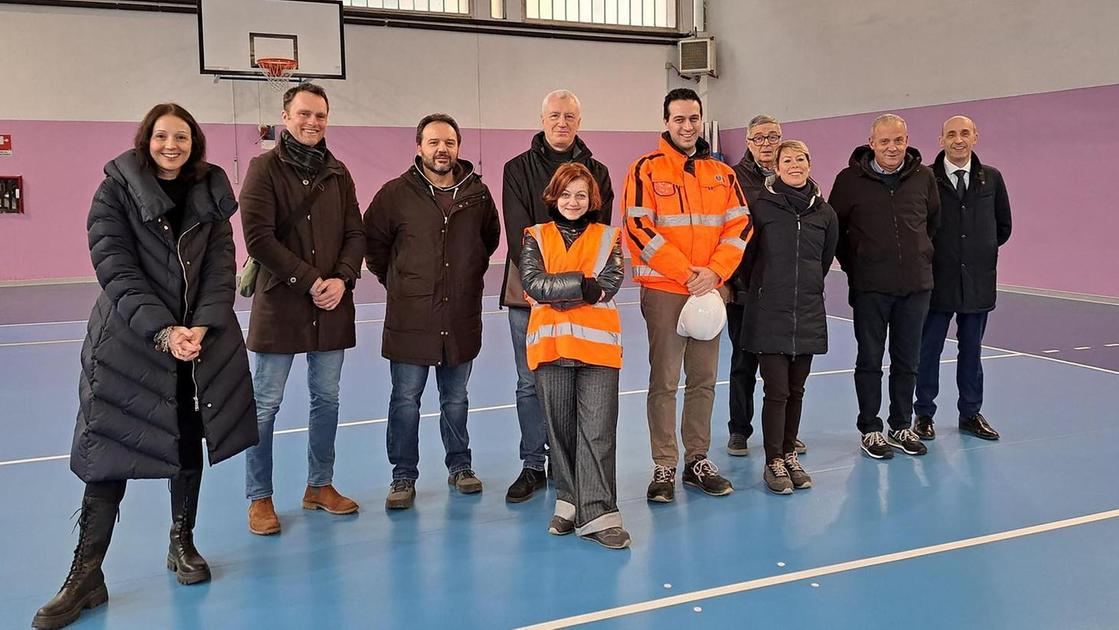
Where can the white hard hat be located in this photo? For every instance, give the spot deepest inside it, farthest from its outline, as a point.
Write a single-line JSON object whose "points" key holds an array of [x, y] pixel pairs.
{"points": [[703, 317]]}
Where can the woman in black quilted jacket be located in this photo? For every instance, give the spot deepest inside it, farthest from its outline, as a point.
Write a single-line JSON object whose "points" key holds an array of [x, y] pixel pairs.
{"points": [[164, 361]]}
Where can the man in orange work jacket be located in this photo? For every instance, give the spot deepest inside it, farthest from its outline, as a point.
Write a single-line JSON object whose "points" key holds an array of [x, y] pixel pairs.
{"points": [[687, 226]]}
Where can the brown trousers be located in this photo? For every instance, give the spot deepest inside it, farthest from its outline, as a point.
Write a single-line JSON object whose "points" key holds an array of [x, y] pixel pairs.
{"points": [[667, 351]]}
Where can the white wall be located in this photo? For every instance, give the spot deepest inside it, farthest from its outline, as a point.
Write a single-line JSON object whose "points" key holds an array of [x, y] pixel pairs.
{"points": [[85, 64], [804, 59]]}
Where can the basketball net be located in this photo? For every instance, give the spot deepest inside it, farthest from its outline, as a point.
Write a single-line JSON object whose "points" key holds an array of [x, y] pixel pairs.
{"points": [[277, 71]]}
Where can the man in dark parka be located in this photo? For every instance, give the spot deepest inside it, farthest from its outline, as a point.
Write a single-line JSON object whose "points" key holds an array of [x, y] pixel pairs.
{"points": [[430, 234]]}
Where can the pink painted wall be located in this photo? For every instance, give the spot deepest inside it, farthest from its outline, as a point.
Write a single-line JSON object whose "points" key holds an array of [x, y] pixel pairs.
{"points": [[1057, 152], [61, 163]]}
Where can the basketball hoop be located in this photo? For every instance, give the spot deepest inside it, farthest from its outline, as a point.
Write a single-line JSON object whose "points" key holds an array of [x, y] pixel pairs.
{"points": [[277, 71]]}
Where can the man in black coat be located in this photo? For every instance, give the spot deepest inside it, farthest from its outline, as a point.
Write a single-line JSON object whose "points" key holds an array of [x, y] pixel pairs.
{"points": [[429, 237], [888, 208], [763, 134], [526, 177], [975, 222]]}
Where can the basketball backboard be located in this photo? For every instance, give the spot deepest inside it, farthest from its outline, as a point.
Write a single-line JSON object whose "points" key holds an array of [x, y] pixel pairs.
{"points": [[233, 34]]}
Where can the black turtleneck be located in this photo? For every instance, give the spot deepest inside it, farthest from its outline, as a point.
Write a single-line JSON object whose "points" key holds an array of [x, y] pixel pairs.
{"points": [[559, 157], [177, 189], [800, 198]]}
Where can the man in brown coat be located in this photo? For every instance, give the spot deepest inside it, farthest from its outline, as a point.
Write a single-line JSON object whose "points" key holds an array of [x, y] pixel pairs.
{"points": [[430, 234], [302, 223]]}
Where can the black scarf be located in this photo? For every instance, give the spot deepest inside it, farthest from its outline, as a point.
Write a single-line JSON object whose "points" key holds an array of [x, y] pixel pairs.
{"points": [[309, 160], [800, 198]]}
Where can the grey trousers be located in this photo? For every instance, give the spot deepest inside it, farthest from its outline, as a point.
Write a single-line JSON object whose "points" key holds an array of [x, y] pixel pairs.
{"points": [[581, 405]]}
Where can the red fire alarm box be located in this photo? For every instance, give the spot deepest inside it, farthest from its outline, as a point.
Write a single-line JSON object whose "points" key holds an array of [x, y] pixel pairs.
{"points": [[11, 194]]}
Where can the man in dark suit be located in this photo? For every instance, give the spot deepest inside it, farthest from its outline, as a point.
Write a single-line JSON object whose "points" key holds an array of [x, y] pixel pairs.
{"points": [[975, 222]]}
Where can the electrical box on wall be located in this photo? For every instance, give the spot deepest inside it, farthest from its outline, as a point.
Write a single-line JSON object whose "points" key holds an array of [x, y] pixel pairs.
{"points": [[11, 194]]}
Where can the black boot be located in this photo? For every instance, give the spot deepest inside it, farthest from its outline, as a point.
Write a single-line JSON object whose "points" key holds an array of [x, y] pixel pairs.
{"points": [[182, 557], [85, 585]]}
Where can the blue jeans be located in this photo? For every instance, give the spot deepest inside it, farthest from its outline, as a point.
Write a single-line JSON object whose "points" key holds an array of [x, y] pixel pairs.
{"points": [[530, 414], [408, 382], [324, 371], [969, 370]]}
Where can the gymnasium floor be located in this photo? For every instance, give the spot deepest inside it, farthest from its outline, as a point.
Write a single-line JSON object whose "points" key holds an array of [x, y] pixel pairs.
{"points": [[1014, 534]]}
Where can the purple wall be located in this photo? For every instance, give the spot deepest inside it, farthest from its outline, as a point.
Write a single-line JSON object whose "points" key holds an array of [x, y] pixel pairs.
{"points": [[1064, 229], [61, 164]]}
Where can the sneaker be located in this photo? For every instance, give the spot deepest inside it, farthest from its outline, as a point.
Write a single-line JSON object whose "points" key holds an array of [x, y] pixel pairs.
{"points": [[797, 474], [875, 446], [465, 481], [402, 493], [662, 489], [736, 445], [560, 526], [801, 447], [611, 538], [526, 485], [776, 477], [906, 441], [703, 474]]}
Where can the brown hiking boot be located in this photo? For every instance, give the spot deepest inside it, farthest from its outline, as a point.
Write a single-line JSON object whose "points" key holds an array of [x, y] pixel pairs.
{"points": [[327, 498], [262, 517]]}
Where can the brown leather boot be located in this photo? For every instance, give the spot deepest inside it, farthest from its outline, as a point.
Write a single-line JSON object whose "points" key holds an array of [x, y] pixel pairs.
{"points": [[327, 498], [262, 517]]}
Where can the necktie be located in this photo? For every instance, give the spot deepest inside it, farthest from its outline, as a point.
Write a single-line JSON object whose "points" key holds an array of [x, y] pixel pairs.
{"points": [[961, 185]]}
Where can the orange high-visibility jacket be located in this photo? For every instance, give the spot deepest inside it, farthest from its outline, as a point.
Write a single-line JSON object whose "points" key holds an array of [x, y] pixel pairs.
{"points": [[591, 333], [682, 211]]}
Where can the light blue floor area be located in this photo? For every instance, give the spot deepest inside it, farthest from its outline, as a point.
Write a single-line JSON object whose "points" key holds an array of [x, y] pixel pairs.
{"points": [[477, 562]]}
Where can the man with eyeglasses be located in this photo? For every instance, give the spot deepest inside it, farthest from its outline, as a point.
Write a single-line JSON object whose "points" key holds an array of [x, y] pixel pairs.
{"points": [[889, 209], [976, 222], [763, 134]]}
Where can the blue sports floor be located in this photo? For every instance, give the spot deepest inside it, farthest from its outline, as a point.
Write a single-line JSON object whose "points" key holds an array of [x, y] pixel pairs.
{"points": [[1019, 533]]}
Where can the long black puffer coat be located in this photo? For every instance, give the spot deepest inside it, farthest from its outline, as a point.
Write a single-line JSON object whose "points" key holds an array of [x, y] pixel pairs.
{"points": [[127, 426], [788, 258]]}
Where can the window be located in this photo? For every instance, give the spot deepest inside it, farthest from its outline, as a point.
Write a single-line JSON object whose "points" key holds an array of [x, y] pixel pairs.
{"points": [[641, 13], [453, 7]]}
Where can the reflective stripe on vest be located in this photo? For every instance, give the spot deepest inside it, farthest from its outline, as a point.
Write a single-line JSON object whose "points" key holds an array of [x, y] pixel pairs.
{"points": [[591, 334]]}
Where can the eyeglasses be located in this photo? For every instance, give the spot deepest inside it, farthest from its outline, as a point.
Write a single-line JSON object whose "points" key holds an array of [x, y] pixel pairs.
{"points": [[759, 139]]}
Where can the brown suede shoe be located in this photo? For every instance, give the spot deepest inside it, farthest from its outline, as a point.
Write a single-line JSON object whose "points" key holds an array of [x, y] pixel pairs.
{"points": [[327, 498], [262, 517]]}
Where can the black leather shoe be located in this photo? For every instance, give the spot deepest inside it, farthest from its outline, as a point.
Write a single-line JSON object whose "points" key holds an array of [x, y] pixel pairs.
{"points": [[977, 426], [924, 428]]}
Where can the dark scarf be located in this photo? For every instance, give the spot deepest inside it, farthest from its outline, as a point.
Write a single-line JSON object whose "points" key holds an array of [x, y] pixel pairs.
{"points": [[308, 160], [800, 198]]}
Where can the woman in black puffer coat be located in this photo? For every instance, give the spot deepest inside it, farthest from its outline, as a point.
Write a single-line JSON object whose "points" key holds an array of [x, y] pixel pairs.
{"points": [[784, 322], [164, 361]]}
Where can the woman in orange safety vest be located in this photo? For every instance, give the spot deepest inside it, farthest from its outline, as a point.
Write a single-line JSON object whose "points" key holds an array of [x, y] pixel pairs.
{"points": [[571, 268]]}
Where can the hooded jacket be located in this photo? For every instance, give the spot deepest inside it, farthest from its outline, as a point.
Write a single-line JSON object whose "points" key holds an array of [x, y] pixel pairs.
{"points": [[522, 201], [432, 265], [886, 231], [128, 417]]}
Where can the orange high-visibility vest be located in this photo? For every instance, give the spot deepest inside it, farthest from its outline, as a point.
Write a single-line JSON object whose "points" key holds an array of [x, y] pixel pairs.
{"points": [[591, 333]]}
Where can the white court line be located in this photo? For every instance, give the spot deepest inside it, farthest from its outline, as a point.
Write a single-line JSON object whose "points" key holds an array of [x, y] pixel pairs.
{"points": [[831, 569], [1082, 348], [435, 414], [1049, 351], [1111, 345], [1025, 354]]}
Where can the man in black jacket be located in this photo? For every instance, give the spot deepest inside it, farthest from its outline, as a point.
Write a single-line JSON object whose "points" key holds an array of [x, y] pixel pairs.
{"points": [[975, 222], [526, 177], [763, 134], [888, 208], [429, 237]]}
